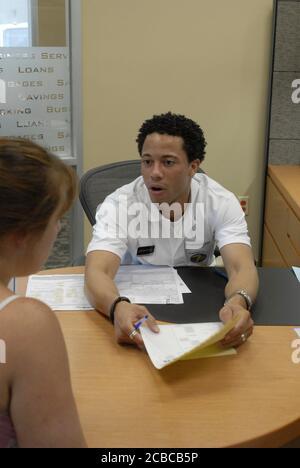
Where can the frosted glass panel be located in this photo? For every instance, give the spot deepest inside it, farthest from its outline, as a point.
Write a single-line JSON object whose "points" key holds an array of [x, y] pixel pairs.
{"points": [[35, 81], [35, 96]]}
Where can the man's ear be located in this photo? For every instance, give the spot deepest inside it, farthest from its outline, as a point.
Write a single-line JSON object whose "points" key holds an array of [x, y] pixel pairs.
{"points": [[194, 166]]}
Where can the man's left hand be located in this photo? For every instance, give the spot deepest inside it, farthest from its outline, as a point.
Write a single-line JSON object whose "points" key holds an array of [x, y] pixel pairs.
{"points": [[242, 330]]}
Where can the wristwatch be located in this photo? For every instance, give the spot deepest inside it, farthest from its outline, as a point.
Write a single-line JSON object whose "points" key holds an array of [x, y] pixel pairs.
{"points": [[113, 306], [245, 295]]}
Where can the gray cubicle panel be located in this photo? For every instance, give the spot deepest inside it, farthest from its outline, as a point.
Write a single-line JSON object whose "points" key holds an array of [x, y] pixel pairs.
{"points": [[284, 129], [282, 150], [287, 41], [285, 114]]}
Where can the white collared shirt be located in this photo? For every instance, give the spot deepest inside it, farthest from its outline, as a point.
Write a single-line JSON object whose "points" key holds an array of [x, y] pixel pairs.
{"points": [[214, 214]]}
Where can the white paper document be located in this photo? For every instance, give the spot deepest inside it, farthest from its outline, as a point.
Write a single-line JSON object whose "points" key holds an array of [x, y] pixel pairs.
{"points": [[145, 284], [185, 341], [297, 272], [183, 288], [141, 284], [60, 292], [297, 330]]}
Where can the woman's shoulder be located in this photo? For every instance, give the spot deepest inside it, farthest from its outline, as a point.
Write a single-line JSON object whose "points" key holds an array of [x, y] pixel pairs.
{"points": [[27, 325], [32, 337], [26, 311]]}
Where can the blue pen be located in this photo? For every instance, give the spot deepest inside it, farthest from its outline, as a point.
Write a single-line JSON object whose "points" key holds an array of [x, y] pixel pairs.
{"points": [[138, 324], [220, 273]]}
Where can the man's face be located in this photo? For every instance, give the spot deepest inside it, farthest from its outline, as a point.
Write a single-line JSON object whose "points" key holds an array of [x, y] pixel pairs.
{"points": [[166, 169]]}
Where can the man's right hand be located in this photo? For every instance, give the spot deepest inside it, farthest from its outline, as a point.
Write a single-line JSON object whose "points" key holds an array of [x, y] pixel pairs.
{"points": [[126, 315]]}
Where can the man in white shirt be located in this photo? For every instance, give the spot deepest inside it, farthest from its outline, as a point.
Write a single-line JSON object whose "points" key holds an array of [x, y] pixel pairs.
{"points": [[171, 215]]}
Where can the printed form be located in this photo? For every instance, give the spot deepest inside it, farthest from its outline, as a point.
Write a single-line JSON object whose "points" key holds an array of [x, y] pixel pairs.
{"points": [[141, 284], [144, 284], [59, 292], [186, 341]]}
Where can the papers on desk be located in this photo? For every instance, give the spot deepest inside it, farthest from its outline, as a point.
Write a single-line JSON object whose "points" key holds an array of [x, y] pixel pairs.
{"points": [[145, 284], [60, 292], [297, 272], [185, 341], [183, 288], [142, 284]]}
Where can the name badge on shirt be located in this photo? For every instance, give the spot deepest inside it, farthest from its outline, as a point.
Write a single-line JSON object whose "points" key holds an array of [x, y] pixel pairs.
{"points": [[147, 250], [201, 255], [198, 257]]}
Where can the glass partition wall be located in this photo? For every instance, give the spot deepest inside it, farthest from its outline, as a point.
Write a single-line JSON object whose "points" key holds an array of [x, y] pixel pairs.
{"points": [[38, 39]]}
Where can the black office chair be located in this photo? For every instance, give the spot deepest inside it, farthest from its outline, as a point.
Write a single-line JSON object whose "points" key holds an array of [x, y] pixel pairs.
{"points": [[99, 182]]}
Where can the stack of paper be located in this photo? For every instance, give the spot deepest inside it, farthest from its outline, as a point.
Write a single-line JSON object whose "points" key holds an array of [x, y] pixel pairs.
{"points": [[185, 341], [141, 284], [144, 284]]}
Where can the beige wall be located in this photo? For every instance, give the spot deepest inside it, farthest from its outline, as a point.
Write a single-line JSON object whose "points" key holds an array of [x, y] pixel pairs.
{"points": [[208, 60], [51, 23]]}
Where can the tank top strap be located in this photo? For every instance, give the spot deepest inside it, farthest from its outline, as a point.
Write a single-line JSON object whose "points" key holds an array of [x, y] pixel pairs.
{"points": [[7, 301]]}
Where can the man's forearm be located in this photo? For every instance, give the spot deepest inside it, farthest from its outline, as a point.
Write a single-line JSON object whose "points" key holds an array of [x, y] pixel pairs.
{"points": [[245, 278], [101, 291]]}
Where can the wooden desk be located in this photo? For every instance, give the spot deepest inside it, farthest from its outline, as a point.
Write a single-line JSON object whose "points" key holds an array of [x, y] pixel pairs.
{"points": [[252, 399]]}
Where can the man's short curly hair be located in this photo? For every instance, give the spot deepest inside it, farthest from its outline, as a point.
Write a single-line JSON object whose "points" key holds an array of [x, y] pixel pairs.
{"points": [[175, 125]]}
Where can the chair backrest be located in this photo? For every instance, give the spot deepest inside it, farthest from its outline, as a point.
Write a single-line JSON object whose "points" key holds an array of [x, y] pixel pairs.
{"points": [[99, 182]]}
